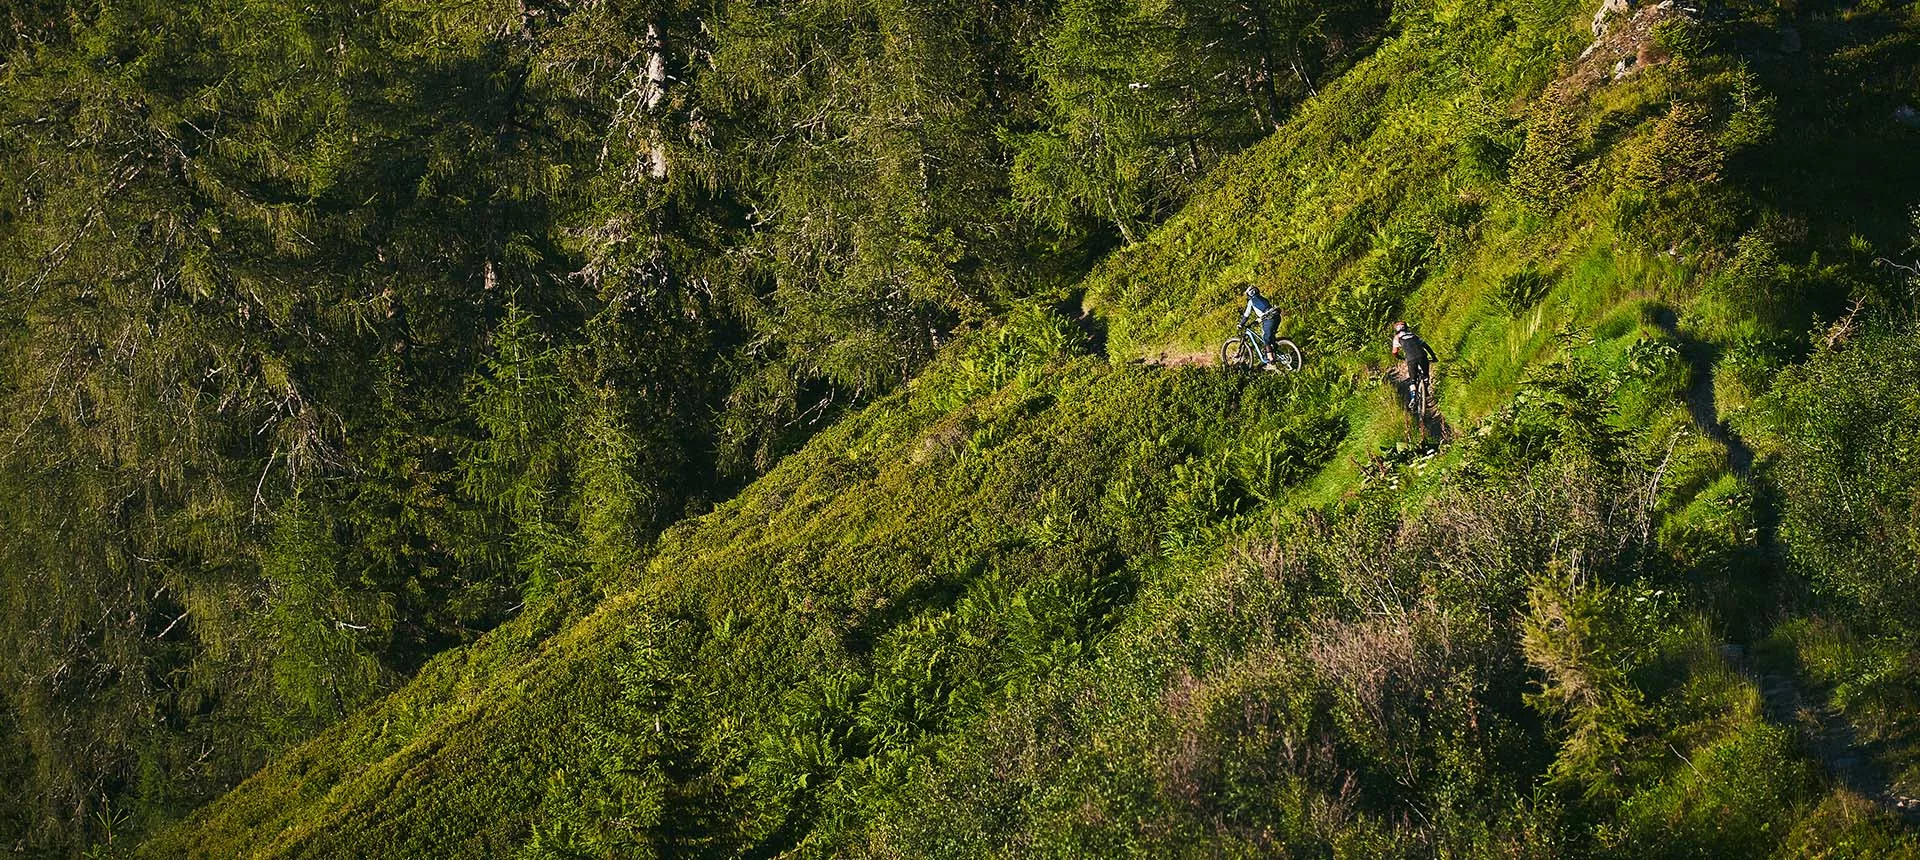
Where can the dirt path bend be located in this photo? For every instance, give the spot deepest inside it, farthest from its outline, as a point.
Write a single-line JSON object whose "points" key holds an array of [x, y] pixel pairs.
{"points": [[1701, 358], [1829, 737], [1434, 427]]}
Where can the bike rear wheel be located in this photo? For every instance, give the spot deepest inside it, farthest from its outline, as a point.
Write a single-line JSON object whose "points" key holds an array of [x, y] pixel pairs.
{"points": [[1287, 355]]}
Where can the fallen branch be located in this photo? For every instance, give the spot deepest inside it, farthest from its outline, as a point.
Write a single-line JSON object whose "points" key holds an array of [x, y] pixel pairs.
{"points": [[176, 621], [1843, 330]]}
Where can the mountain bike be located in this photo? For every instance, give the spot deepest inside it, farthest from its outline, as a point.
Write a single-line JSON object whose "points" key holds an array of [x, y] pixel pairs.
{"points": [[1243, 352], [1420, 392]]}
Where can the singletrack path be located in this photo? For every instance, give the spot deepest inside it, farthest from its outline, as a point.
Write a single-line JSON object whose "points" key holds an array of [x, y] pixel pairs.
{"points": [[1830, 738], [1196, 358], [1434, 426]]}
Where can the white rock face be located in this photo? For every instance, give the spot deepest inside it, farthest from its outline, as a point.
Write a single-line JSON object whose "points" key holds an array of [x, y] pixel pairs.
{"points": [[1608, 10]]}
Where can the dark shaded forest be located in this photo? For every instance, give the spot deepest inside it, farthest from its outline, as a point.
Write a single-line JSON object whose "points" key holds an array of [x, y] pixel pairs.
{"points": [[335, 334]]}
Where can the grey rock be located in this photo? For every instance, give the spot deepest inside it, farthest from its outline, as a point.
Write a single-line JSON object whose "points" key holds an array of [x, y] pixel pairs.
{"points": [[1608, 9]]}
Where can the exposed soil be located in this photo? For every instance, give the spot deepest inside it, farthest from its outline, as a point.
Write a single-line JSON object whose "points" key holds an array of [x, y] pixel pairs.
{"points": [[1623, 43], [1701, 407], [1706, 415], [1434, 426], [1829, 737], [1200, 358]]}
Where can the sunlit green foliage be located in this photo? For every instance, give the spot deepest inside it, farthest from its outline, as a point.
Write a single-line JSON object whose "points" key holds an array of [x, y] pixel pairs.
{"points": [[1847, 470], [1141, 99], [910, 569], [646, 428]]}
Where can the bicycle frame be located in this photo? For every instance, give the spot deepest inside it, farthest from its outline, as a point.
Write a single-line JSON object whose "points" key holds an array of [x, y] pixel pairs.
{"points": [[1420, 392], [1252, 336], [1248, 346]]}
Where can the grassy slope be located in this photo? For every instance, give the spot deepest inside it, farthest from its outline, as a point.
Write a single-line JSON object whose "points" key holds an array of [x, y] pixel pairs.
{"points": [[1055, 492], [1040, 603]]}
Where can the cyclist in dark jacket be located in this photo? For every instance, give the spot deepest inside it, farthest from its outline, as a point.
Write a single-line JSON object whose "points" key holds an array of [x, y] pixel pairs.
{"points": [[1409, 348], [1269, 316]]}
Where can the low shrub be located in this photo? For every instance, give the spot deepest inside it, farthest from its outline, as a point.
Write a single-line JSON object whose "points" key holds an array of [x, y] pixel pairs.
{"points": [[1847, 464], [1732, 797]]}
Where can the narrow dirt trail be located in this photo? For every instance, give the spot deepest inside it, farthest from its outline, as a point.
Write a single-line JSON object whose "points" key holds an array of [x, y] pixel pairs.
{"points": [[1830, 738], [1706, 414], [1701, 406], [1198, 358], [1433, 426]]}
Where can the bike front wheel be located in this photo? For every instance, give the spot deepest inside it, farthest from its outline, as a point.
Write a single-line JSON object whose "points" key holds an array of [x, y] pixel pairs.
{"points": [[1234, 354], [1287, 355]]}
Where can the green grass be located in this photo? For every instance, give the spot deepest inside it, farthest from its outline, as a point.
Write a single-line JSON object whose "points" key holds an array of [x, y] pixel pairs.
{"points": [[1044, 602], [980, 547]]}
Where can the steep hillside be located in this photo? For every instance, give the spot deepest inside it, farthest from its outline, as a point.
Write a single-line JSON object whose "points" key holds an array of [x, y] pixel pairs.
{"points": [[977, 533], [1052, 600], [334, 334]]}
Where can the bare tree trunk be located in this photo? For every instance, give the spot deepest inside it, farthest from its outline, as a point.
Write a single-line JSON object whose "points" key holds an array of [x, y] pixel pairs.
{"points": [[1268, 95], [654, 95], [656, 68]]}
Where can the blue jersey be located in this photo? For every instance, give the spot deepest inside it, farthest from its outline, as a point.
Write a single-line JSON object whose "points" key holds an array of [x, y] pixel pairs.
{"points": [[1257, 308]]}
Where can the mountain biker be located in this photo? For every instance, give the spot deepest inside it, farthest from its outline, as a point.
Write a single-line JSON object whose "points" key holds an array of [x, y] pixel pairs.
{"points": [[1409, 348], [1269, 316]]}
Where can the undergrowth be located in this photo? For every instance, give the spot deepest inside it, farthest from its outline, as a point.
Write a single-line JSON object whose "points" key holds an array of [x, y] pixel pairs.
{"points": [[1044, 602]]}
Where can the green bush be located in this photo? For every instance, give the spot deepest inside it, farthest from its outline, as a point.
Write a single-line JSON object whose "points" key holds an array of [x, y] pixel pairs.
{"points": [[1682, 37], [1582, 637], [1846, 473], [1376, 288], [1744, 373], [1732, 798], [1520, 291], [1680, 148], [1549, 168]]}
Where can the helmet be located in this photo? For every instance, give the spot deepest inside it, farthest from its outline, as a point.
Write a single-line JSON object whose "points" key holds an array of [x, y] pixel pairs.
{"points": [[1252, 291], [1399, 327]]}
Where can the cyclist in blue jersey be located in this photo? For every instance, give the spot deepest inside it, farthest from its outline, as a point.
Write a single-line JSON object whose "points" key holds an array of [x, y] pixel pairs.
{"points": [[1269, 316]]}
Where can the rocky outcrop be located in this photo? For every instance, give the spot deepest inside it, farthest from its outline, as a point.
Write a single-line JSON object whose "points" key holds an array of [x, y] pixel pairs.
{"points": [[1623, 41]]}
